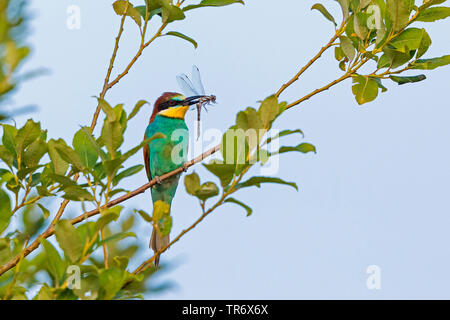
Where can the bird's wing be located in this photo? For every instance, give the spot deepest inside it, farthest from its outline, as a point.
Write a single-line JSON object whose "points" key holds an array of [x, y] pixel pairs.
{"points": [[147, 161]]}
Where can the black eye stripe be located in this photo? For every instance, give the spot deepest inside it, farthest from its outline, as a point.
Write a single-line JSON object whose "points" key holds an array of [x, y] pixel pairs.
{"points": [[167, 104]]}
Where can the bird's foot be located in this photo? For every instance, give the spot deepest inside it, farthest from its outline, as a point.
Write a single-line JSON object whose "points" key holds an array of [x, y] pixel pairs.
{"points": [[158, 180], [185, 167]]}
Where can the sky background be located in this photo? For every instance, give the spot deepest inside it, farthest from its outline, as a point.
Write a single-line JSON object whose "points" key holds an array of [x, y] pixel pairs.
{"points": [[376, 192]]}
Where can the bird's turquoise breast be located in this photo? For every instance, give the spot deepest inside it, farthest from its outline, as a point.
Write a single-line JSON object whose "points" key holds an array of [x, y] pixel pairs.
{"points": [[167, 154]]}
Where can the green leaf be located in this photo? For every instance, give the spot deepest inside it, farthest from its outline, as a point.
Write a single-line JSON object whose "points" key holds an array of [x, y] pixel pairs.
{"points": [[136, 109], [117, 237], [94, 143], [365, 89], [225, 172], [107, 109], [433, 14], [192, 183], [6, 176], [234, 148], [253, 119], [243, 205], [55, 264], [69, 240], [14, 54], [6, 156], [172, 13], [34, 153], [257, 181], [5, 210], [430, 64], [424, 45], [347, 47], [380, 84], [319, 7], [62, 180], [111, 280], [411, 79], [207, 190], [59, 164], [142, 10], [156, 4], [121, 262], [408, 40], [359, 25], [30, 132], [182, 36], [263, 156], [212, 3], [399, 12], [89, 288], [241, 121], [108, 216], [121, 8], [88, 234], [144, 215], [9, 138], [127, 173], [112, 166], [45, 293], [45, 211], [69, 155], [303, 148], [344, 6], [151, 14], [76, 193], [268, 111], [43, 192], [112, 136], [394, 59], [82, 143], [429, 3]]}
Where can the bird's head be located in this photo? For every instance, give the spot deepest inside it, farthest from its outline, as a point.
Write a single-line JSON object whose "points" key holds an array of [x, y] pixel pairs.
{"points": [[173, 105]]}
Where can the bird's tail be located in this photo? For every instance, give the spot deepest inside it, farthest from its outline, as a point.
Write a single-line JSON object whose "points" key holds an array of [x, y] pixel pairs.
{"points": [[158, 242]]}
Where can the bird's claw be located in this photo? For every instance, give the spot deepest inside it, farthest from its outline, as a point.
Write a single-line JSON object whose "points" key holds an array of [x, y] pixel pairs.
{"points": [[185, 167], [158, 180]]}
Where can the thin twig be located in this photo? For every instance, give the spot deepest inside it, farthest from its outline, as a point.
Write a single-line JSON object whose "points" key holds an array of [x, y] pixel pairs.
{"points": [[111, 66], [316, 57]]}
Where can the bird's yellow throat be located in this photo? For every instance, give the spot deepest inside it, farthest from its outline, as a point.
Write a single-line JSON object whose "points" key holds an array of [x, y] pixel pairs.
{"points": [[176, 113]]}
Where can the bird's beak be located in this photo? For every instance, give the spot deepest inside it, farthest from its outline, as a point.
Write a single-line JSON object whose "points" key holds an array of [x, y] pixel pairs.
{"points": [[192, 100]]}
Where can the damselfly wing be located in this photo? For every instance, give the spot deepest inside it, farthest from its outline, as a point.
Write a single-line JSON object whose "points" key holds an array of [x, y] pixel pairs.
{"points": [[190, 88], [195, 88]]}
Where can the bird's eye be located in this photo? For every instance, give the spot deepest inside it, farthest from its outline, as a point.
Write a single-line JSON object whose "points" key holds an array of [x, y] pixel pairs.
{"points": [[172, 103]]}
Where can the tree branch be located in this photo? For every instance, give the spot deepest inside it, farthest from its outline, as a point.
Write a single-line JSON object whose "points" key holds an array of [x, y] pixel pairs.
{"points": [[311, 62], [51, 229]]}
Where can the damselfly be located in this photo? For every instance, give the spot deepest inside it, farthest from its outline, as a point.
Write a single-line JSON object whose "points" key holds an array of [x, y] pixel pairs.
{"points": [[195, 88]]}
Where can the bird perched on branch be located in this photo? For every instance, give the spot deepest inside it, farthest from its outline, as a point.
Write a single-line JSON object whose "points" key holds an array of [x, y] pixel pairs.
{"points": [[164, 155]]}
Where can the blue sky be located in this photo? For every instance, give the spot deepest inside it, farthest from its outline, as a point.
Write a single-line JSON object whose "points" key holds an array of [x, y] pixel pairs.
{"points": [[376, 192]]}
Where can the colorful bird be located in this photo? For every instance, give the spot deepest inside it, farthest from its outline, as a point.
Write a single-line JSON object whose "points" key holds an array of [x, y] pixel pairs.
{"points": [[166, 154]]}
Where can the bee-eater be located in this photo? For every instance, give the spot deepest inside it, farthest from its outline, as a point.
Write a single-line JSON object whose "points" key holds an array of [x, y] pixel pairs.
{"points": [[166, 154]]}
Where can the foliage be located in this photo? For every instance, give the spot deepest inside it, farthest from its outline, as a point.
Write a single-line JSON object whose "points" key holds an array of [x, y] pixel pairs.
{"points": [[12, 50], [36, 169], [244, 145], [381, 33]]}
